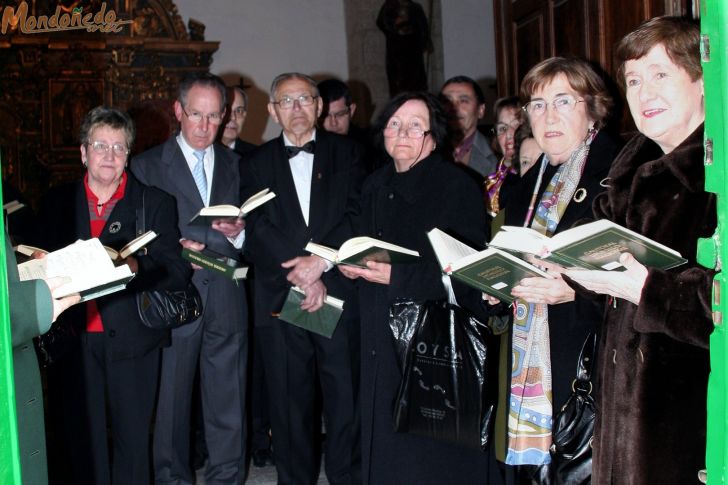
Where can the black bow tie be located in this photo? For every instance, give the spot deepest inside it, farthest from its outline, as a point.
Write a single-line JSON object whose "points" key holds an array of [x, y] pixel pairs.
{"points": [[307, 147]]}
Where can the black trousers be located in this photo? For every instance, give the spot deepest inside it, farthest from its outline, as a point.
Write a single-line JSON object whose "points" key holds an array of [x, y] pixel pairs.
{"points": [[127, 389], [295, 360]]}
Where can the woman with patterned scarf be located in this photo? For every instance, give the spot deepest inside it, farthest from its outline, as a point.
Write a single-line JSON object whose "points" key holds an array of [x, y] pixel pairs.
{"points": [[567, 104], [508, 119]]}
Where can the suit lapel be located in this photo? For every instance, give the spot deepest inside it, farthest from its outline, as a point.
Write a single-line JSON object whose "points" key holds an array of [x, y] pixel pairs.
{"points": [[178, 172], [83, 222], [222, 176], [287, 191], [319, 183]]}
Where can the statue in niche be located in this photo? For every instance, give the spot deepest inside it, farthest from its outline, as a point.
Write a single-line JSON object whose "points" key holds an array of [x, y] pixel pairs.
{"points": [[407, 32]]}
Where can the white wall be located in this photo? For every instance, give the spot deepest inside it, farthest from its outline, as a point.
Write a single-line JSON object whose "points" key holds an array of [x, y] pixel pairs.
{"points": [[468, 38], [261, 39]]}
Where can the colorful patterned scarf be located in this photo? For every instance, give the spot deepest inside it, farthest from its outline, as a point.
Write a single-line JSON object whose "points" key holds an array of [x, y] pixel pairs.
{"points": [[493, 185], [530, 400]]}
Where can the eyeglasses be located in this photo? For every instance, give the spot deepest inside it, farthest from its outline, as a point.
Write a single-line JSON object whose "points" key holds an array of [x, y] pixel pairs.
{"points": [[502, 128], [286, 102], [392, 131], [237, 112], [196, 116], [339, 114], [563, 104], [101, 148]]}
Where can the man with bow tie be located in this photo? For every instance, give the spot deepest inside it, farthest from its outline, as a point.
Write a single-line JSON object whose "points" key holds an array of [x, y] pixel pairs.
{"points": [[317, 177]]}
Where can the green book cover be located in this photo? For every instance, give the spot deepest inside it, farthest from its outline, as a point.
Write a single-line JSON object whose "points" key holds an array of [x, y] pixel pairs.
{"points": [[216, 262], [496, 274], [601, 251], [595, 246], [323, 321]]}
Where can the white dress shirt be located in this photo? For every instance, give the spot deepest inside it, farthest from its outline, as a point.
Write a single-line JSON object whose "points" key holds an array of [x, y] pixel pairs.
{"points": [[208, 162]]}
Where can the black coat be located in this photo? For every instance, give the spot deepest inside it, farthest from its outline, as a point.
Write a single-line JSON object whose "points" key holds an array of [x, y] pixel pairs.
{"points": [[400, 208], [64, 219], [569, 323], [651, 423]]}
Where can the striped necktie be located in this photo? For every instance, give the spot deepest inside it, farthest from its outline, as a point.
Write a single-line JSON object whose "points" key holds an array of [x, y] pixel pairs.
{"points": [[198, 173]]}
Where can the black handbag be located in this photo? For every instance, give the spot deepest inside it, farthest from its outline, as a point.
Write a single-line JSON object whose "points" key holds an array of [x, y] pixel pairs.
{"points": [[60, 340], [442, 352], [573, 429], [166, 309]]}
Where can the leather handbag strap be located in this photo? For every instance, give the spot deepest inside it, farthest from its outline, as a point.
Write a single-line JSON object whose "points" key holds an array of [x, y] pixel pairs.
{"points": [[140, 222], [586, 362]]}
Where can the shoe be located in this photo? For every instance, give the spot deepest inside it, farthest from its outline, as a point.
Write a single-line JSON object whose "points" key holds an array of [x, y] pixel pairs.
{"points": [[263, 458]]}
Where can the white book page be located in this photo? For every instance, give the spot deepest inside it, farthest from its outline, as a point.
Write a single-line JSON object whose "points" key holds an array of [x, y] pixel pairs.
{"points": [[523, 239], [579, 232], [320, 250], [256, 201], [448, 250], [358, 244], [86, 263]]}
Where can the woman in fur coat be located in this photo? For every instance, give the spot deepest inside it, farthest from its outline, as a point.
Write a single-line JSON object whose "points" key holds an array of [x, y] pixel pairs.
{"points": [[654, 360]]}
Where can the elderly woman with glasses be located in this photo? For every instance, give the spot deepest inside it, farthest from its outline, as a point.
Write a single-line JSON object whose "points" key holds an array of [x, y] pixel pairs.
{"points": [[109, 379], [567, 105], [417, 191]]}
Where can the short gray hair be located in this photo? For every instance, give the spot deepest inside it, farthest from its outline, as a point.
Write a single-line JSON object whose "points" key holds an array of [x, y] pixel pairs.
{"points": [[204, 80], [281, 78], [105, 116]]}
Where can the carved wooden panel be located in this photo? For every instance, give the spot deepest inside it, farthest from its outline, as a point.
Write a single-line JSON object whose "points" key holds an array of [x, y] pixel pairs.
{"points": [[49, 81]]}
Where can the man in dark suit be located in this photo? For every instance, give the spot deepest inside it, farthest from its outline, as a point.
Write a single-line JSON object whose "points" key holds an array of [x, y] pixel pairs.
{"points": [[198, 173], [234, 120], [316, 176]]}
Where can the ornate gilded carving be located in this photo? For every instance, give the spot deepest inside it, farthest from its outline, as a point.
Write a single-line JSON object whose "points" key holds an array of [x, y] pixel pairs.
{"points": [[122, 57], [48, 82], [158, 18]]}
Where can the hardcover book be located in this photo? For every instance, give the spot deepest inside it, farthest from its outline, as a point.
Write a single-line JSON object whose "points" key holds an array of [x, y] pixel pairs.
{"points": [[596, 246], [492, 271], [131, 247], [357, 251], [208, 214], [214, 261], [323, 321], [87, 266]]}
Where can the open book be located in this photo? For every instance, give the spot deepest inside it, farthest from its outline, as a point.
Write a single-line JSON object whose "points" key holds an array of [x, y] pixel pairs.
{"points": [[357, 251], [131, 247], [493, 271], [323, 321], [209, 214], [92, 274], [12, 206], [596, 245]]}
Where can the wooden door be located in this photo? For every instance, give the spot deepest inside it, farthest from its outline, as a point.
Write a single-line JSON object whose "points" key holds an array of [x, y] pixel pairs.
{"points": [[528, 31]]}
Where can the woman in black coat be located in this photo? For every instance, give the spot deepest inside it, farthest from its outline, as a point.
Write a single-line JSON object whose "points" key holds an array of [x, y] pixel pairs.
{"points": [[116, 365], [399, 204]]}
